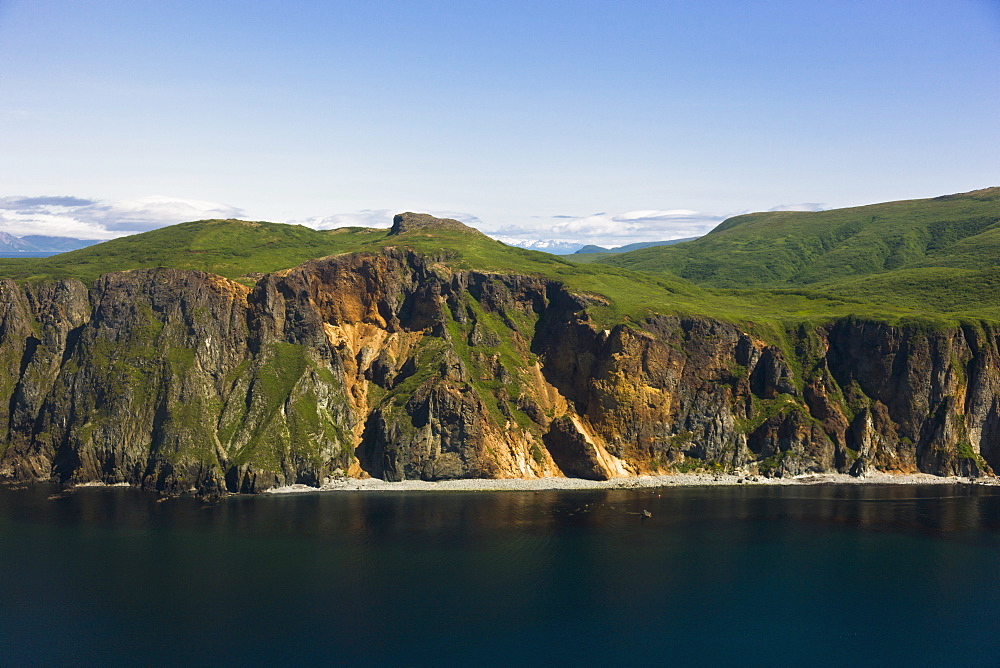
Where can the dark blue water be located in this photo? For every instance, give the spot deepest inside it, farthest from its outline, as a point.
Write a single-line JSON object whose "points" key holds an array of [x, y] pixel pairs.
{"points": [[755, 576]]}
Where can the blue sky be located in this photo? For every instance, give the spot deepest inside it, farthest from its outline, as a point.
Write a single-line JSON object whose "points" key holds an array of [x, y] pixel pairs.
{"points": [[603, 122]]}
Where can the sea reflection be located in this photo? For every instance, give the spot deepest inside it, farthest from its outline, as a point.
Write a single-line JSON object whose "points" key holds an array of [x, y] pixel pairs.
{"points": [[711, 575], [466, 516]]}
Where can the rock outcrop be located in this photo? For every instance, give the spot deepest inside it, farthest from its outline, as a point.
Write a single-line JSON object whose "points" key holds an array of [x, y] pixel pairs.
{"points": [[394, 365], [410, 222]]}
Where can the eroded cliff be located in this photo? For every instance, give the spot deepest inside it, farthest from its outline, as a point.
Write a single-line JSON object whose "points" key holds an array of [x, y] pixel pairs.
{"points": [[396, 365]]}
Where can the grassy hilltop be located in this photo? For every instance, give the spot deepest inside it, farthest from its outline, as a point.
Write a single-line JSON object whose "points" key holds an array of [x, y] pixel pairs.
{"points": [[939, 255], [932, 259], [230, 248], [803, 248]]}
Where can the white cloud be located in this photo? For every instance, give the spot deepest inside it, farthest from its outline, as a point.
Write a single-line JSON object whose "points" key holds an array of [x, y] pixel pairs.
{"points": [[365, 218], [656, 215], [460, 216], [100, 219], [611, 230], [151, 212], [804, 206]]}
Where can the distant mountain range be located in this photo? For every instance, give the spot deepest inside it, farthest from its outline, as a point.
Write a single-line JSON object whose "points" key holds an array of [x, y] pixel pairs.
{"points": [[548, 246], [630, 247], [571, 248], [36, 243]]}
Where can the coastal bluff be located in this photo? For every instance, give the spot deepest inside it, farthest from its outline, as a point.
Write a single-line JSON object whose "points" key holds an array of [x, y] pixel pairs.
{"points": [[393, 364]]}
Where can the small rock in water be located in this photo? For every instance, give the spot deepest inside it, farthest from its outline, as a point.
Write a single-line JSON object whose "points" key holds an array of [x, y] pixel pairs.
{"points": [[646, 513]]}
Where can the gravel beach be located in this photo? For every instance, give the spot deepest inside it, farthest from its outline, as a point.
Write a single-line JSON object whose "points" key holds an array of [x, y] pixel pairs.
{"points": [[345, 484]]}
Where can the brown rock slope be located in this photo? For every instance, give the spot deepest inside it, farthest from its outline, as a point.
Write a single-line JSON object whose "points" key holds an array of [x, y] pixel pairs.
{"points": [[390, 364]]}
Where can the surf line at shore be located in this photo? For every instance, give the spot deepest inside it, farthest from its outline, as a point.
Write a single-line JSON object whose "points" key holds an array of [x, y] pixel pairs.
{"points": [[346, 484]]}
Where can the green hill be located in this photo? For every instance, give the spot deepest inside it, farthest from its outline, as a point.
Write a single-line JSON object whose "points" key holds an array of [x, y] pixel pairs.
{"points": [[790, 248], [231, 248], [589, 258], [590, 249], [938, 229]]}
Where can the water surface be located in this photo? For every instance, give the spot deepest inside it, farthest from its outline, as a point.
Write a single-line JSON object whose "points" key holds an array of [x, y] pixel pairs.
{"points": [[759, 576]]}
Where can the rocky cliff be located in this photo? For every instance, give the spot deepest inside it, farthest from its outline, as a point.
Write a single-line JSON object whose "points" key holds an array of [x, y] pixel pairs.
{"points": [[396, 365]]}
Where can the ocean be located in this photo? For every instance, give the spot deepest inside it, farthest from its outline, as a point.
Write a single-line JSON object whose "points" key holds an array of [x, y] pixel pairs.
{"points": [[807, 575]]}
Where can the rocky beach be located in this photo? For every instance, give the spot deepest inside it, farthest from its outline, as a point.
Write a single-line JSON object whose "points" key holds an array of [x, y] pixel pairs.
{"points": [[345, 484]]}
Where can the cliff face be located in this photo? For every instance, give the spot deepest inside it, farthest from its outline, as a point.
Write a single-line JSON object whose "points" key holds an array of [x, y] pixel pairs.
{"points": [[395, 366]]}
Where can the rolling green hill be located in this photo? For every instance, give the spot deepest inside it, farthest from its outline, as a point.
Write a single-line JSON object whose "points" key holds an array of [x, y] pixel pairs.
{"points": [[790, 248], [231, 248]]}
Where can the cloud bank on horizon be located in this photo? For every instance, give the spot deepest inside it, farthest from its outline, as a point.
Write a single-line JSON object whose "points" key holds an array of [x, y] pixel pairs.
{"points": [[81, 218], [65, 216], [563, 232]]}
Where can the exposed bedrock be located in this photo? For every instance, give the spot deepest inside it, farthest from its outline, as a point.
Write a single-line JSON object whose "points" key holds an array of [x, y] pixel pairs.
{"points": [[394, 365]]}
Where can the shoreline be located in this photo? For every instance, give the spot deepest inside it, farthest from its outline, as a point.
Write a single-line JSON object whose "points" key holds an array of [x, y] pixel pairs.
{"points": [[638, 482]]}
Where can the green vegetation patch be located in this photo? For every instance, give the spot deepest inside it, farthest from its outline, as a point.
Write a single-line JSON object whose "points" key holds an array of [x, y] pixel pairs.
{"points": [[765, 409], [505, 348]]}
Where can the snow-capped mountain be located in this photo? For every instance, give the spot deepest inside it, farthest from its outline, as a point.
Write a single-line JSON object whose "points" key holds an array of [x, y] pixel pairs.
{"points": [[547, 246]]}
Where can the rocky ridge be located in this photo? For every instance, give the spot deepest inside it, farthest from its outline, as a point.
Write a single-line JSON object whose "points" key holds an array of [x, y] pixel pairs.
{"points": [[392, 364]]}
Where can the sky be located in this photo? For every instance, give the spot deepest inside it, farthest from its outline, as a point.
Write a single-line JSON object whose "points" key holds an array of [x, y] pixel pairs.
{"points": [[577, 121]]}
